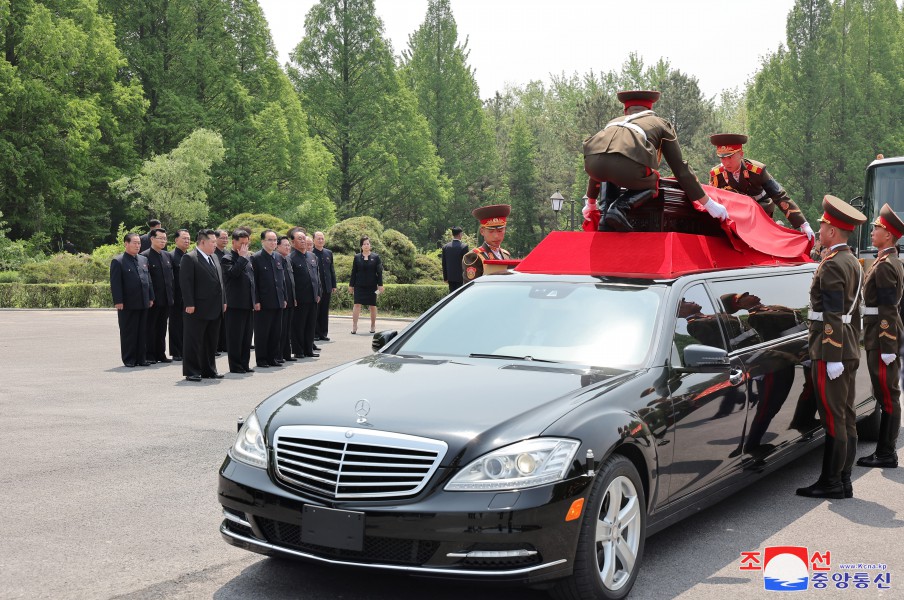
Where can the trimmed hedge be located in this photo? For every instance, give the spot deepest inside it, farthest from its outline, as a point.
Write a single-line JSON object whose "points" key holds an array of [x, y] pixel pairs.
{"points": [[405, 299]]}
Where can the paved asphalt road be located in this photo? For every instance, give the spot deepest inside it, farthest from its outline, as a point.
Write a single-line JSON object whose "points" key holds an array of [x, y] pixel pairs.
{"points": [[109, 489]]}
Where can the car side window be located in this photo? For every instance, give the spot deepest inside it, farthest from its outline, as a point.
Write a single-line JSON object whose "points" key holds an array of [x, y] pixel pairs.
{"points": [[697, 323], [764, 308]]}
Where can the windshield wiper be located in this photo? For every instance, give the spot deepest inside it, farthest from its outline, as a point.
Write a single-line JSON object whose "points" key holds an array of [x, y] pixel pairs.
{"points": [[506, 357]]}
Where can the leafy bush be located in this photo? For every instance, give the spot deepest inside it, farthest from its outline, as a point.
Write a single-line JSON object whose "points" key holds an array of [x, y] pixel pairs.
{"points": [[399, 256], [67, 295], [13, 255], [345, 236], [342, 263], [104, 254], [428, 269], [9, 276], [318, 214], [257, 223], [66, 268]]}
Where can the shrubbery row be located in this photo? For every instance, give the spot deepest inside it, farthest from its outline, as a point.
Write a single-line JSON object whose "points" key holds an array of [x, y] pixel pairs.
{"points": [[397, 298]]}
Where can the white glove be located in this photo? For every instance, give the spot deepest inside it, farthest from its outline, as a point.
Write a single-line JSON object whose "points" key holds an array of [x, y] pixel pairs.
{"points": [[715, 210], [888, 358], [808, 230], [834, 369], [589, 205]]}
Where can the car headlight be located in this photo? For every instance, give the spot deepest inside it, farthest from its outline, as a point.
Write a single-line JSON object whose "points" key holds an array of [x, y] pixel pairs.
{"points": [[521, 465], [249, 446]]}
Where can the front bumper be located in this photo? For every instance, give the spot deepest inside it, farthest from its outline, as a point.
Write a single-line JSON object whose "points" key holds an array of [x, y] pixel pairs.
{"points": [[479, 536]]}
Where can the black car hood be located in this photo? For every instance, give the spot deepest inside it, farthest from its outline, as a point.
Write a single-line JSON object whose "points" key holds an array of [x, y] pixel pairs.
{"points": [[459, 402]]}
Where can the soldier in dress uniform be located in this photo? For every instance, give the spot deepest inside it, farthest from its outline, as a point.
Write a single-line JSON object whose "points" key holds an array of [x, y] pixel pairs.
{"points": [[626, 153], [749, 177], [883, 286], [835, 347], [492, 227]]}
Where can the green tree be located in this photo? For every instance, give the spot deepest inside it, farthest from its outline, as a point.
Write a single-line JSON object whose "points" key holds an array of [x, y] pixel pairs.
{"points": [[67, 118], [523, 231], [386, 165], [437, 71], [173, 186]]}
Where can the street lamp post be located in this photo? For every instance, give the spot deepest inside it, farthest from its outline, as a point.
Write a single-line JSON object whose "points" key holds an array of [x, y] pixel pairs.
{"points": [[556, 200]]}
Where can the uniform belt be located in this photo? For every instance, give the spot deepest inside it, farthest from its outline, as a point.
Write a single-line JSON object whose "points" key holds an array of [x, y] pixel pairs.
{"points": [[760, 196], [817, 316], [870, 310]]}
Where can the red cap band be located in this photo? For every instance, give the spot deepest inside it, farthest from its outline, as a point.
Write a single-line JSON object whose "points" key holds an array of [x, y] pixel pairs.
{"points": [[881, 221], [645, 103], [835, 222]]}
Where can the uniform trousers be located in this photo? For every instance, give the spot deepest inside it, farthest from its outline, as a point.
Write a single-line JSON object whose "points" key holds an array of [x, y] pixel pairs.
{"points": [[322, 328], [303, 324], [176, 329], [285, 336], [133, 335], [835, 403], [620, 170], [887, 389], [199, 346], [267, 325], [238, 332], [158, 316]]}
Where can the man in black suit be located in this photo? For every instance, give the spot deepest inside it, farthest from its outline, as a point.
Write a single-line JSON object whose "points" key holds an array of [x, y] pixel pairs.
{"points": [[133, 295], [328, 283], [241, 297], [453, 252], [161, 268], [203, 294], [146, 237], [307, 293], [270, 282], [177, 310], [283, 247], [222, 241]]}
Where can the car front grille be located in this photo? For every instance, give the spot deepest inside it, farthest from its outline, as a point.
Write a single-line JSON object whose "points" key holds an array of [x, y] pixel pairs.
{"points": [[376, 549], [347, 463]]}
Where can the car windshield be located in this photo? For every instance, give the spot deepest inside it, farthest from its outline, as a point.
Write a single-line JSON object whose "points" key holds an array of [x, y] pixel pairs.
{"points": [[593, 324]]}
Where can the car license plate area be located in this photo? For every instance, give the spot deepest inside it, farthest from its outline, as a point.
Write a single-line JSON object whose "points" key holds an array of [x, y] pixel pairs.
{"points": [[332, 528]]}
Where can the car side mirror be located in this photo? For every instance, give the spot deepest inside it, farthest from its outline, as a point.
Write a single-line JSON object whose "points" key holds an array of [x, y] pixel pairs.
{"points": [[381, 338], [857, 202], [704, 359]]}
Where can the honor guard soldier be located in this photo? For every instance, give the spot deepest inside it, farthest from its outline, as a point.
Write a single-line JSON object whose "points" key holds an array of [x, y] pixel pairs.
{"points": [[748, 177], [835, 347], [492, 227], [626, 153], [882, 289]]}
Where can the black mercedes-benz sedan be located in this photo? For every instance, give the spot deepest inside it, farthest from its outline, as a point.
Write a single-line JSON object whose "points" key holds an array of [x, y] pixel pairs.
{"points": [[533, 428]]}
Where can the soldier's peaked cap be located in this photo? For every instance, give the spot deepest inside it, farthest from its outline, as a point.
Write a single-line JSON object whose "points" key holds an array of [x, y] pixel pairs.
{"points": [[840, 214], [890, 220], [493, 215], [638, 98], [727, 143]]}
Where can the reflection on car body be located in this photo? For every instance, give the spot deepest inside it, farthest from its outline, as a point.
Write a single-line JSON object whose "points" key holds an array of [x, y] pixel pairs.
{"points": [[531, 428]]}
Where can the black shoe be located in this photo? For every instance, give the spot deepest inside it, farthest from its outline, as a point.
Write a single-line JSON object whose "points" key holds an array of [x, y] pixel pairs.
{"points": [[822, 490], [165, 360], [316, 348], [881, 461], [146, 363], [130, 365], [279, 361], [193, 378], [274, 364], [290, 359], [313, 355], [214, 376], [237, 371], [616, 221], [177, 358], [249, 370], [323, 338], [262, 365], [219, 353]]}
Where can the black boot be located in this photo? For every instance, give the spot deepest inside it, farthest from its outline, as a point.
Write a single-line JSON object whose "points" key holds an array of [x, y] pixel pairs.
{"points": [[850, 455], [609, 193], [615, 219], [885, 456], [829, 483]]}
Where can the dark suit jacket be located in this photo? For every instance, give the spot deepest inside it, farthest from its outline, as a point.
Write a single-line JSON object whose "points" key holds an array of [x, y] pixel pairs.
{"points": [[240, 290], [145, 242], [367, 273], [130, 282], [202, 286], [327, 269], [453, 252], [290, 279], [219, 253], [176, 258], [307, 276], [161, 268], [269, 279]]}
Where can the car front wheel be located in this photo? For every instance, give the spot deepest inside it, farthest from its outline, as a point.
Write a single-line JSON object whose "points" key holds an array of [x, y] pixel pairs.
{"points": [[610, 545]]}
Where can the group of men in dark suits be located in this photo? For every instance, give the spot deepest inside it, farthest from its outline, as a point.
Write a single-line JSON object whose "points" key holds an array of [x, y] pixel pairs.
{"points": [[210, 297]]}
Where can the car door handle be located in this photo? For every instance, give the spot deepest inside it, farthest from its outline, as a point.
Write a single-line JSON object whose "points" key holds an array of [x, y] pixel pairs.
{"points": [[736, 377]]}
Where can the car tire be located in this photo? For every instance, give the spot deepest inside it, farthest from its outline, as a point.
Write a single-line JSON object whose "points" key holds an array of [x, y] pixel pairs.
{"points": [[868, 426], [611, 541]]}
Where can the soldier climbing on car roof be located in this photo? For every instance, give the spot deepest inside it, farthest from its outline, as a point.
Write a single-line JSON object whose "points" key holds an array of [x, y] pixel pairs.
{"points": [[626, 153]]}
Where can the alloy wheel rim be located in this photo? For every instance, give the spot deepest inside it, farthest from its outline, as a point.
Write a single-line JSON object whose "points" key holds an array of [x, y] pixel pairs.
{"points": [[618, 533]]}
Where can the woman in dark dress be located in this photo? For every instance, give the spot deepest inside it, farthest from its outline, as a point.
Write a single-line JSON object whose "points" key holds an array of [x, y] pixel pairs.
{"points": [[366, 283]]}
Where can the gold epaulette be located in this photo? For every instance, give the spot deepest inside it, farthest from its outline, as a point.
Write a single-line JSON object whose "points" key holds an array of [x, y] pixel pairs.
{"points": [[714, 172], [754, 167]]}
